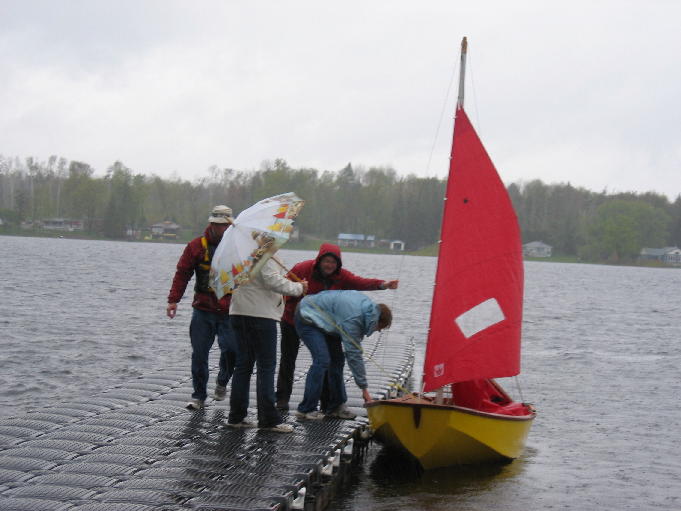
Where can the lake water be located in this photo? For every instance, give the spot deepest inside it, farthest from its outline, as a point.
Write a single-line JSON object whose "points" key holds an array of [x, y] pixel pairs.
{"points": [[601, 363]]}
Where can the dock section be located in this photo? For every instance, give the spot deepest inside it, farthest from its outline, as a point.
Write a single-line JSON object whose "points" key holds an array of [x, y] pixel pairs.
{"points": [[136, 448]]}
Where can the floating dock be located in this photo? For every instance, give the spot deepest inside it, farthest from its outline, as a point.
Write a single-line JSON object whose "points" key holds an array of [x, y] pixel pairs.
{"points": [[136, 448]]}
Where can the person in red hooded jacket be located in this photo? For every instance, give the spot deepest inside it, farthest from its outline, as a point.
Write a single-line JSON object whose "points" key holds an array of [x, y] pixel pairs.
{"points": [[323, 273], [210, 317]]}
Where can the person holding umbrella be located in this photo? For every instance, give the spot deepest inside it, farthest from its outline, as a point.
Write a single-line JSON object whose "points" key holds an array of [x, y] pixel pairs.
{"points": [[255, 310], [244, 265], [210, 317]]}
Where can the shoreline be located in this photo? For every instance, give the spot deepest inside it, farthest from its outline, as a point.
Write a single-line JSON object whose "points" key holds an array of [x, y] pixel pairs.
{"points": [[312, 244]]}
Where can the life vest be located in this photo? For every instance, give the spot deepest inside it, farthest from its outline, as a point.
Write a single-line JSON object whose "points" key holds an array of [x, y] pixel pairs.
{"points": [[202, 270]]}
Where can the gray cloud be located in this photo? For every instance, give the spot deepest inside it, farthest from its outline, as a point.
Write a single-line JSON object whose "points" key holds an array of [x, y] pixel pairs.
{"points": [[585, 92]]}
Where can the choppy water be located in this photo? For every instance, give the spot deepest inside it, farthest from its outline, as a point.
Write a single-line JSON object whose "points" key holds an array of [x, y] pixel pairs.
{"points": [[601, 362]]}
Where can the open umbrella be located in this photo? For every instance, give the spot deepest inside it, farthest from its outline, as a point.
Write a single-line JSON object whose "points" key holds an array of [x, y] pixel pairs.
{"points": [[255, 234]]}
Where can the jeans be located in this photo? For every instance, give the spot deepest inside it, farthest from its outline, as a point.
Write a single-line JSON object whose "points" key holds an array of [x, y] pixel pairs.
{"points": [[287, 361], [333, 390], [203, 328], [323, 360], [256, 340]]}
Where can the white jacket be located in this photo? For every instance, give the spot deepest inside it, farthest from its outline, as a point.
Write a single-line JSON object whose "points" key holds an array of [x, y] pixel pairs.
{"points": [[262, 296]]}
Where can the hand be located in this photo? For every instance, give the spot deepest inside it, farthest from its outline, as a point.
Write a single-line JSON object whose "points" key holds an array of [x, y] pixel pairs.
{"points": [[367, 397], [171, 310], [304, 283], [391, 284]]}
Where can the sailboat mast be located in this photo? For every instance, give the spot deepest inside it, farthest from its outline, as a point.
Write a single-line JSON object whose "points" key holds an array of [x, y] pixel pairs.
{"points": [[459, 104], [462, 72]]}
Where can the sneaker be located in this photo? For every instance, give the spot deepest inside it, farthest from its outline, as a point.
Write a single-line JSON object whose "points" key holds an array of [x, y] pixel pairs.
{"points": [[195, 404], [280, 428], [342, 412], [242, 424], [282, 405], [220, 392], [314, 415]]}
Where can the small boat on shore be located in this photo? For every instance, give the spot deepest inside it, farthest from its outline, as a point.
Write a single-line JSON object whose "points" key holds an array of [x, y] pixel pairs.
{"points": [[462, 416]]}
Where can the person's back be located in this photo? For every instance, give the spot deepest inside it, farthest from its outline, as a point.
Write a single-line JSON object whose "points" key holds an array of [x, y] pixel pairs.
{"points": [[344, 313]]}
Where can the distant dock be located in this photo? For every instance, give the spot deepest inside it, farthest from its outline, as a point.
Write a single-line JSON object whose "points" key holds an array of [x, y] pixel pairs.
{"points": [[136, 448]]}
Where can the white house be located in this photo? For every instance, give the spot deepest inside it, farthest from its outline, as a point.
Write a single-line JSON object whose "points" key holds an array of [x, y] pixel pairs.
{"points": [[356, 240], [666, 255], [537, 249], [397, 245]]}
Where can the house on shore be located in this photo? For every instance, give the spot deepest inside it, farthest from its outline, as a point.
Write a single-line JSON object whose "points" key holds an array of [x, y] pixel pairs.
{"points": [[165, 230], [537, 249], [62, 224], [356, 240], [667, 255], [369, 241]]}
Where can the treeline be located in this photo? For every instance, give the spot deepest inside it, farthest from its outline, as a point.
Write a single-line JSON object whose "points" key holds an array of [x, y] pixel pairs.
{"points": [[597, 227], [368, 201], [575, 221]]}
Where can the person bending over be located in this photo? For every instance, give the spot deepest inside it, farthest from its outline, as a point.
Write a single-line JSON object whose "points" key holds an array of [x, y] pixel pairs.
{"points": [[347, 316]]}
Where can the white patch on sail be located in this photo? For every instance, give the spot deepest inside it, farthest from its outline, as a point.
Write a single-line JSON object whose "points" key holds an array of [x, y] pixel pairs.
{"points": [[482, 316], [438, 370]]}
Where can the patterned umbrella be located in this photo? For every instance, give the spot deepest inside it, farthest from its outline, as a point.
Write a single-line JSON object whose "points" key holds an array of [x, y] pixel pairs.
{"points": [[256, 234]]}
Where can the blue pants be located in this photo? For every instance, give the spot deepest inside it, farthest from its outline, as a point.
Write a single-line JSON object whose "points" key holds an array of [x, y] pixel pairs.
{"points": [[256, 340], [327, 359], [203, 329]]}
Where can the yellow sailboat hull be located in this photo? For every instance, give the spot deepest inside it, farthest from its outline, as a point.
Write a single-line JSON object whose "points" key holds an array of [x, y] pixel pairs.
{"points": [[444, 435]]}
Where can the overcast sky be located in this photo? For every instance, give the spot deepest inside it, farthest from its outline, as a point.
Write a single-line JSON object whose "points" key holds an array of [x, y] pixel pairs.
{"points": [[584, 91]]}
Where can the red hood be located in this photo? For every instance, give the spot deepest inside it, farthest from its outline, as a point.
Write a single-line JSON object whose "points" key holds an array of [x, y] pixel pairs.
{"points": [[326, 249]]}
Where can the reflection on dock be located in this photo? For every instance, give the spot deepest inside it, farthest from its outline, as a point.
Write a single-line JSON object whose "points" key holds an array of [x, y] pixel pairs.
{"points": [[135, 448]]}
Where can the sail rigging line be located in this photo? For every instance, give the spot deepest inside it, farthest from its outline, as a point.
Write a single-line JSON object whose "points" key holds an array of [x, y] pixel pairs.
{"points": [[520, 390], [439, 122], [391, 304], [478, 125]]}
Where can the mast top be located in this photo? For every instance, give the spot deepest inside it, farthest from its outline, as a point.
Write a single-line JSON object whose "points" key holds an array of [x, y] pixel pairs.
{"points": [[462, 72]]}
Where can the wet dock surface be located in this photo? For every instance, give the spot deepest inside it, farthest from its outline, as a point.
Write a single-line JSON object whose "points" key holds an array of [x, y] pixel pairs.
{"points": [[136, 448]]}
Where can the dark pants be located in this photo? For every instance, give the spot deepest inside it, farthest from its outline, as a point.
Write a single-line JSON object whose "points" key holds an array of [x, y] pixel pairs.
{"points": [[333, 389], [203, 329], [290, 344], [327, 364], [256, 340]]}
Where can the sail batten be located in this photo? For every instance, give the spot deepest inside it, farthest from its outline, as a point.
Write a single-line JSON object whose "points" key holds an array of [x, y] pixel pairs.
{"points": [[476, 313]]}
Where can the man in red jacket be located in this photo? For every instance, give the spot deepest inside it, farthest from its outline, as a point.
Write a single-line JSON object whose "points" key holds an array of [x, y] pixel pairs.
{"points": [[323, 273], [210, 316]]}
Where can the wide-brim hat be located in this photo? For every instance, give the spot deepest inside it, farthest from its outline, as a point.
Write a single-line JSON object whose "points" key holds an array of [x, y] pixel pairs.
{"points": [[221, 215]]}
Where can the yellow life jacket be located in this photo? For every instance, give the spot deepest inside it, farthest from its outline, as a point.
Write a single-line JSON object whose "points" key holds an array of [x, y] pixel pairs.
{"points": [[202, 270]]}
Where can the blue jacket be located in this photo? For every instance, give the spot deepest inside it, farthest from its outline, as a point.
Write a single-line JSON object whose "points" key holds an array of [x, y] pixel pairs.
{"points": [[347, 314]]}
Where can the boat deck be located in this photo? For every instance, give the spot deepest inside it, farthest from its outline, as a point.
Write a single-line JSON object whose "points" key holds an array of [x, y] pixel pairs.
{"points": [[136, 448]]}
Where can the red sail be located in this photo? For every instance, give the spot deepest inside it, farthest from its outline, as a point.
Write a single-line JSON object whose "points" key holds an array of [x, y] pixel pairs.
{"points": [[477, 305]]}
